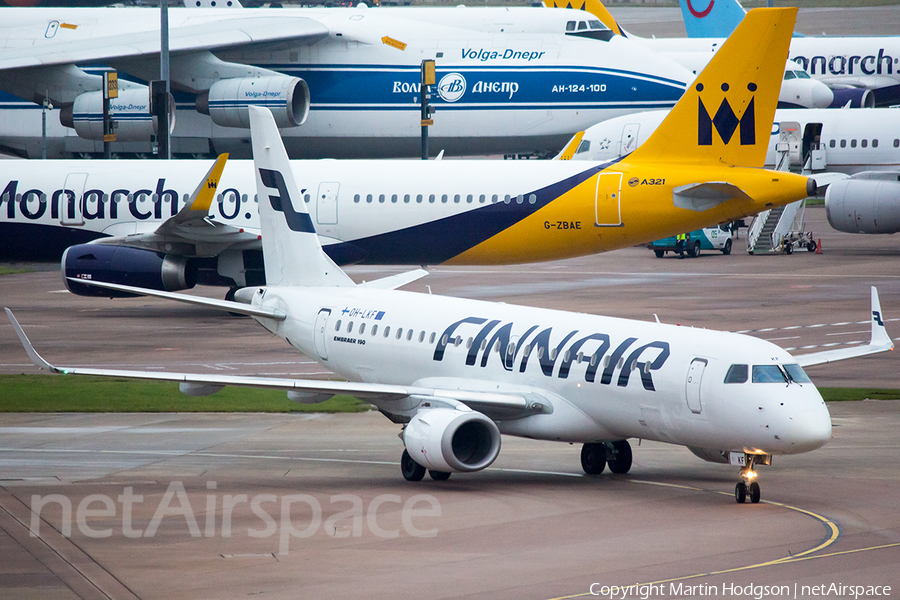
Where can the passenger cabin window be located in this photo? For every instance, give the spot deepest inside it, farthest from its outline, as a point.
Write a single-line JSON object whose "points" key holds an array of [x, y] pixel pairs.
{"points": [[864, 143], [736, 374], [832, 143], [767, 374], [843, 143], [796, 373], [896, 143], [874, 143], [853, 143]]}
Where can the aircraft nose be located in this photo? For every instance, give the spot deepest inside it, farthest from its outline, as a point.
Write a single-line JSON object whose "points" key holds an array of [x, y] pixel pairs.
{"points": [[822, 96], [810, 429]]}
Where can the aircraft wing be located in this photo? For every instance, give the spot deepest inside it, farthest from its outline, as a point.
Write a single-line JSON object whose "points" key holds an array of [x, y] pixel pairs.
{"points": [[493, 404], [879, 342], [91, 44], [192, 224]]}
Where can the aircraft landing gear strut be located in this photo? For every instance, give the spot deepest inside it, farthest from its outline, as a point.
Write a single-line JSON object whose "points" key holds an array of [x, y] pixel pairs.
{"points": [[747, 486], [617, 455]]}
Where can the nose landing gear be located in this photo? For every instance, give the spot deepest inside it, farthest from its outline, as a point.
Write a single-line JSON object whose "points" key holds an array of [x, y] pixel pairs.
{"points": [[747, 486]]}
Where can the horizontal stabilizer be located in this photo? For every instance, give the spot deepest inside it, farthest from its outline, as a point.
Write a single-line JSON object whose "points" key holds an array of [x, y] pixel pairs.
{"points": [[703, 196], [234, 307], [879, 342], [396, 281]]}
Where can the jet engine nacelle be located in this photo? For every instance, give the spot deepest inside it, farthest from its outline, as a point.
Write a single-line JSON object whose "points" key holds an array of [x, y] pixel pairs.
{"points": [[126, 266], [857, 97], [865, 205], [130, 112], [227, 100], [449, 440]]}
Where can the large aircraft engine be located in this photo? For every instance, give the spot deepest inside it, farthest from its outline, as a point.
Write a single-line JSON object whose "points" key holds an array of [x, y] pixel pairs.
{"points": [[710, 455], [130, 112], [865, 203], [227, 100], [857, 97], [448, 440], [126, 266]]}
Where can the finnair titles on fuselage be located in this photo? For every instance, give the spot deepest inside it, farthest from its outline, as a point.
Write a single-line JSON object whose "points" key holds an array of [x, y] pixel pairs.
{"points": [[508, 79]]}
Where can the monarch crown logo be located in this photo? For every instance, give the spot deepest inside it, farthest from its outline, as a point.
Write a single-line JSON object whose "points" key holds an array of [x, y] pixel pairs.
{"points": [[726, 122]]}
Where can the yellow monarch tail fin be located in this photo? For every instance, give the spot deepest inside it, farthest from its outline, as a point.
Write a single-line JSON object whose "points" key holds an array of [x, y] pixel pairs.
{"points": [[726, 114]]}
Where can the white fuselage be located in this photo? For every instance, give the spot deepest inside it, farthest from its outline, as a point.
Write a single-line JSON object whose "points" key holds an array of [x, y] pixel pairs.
{"points": [[508, 79], [605, 378], [853, 140]]}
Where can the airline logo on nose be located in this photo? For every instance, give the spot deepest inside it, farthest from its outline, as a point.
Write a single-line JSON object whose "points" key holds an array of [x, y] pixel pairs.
{"points": [[299, 222], [725, 121]]}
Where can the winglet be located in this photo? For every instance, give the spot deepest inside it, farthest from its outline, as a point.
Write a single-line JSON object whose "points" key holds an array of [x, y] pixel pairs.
{"points": [[880, 337], [36, 358], [569, 151], [203, 196], [879, 342]]}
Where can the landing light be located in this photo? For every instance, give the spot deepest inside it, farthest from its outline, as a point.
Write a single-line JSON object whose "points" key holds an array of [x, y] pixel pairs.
{"points": [[749, 475]]}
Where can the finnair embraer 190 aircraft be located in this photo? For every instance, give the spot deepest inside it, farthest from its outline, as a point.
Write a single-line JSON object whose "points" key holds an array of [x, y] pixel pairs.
{"points": [[459, 373], [694, 172], [342, 82]]}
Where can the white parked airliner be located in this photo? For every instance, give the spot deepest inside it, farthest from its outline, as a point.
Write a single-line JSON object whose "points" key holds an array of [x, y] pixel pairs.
{"points": [[459, 373]]}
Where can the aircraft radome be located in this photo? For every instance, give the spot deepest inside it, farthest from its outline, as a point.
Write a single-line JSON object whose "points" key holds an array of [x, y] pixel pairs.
{"points": [[457, 373], [343, 82], [695, 172]]}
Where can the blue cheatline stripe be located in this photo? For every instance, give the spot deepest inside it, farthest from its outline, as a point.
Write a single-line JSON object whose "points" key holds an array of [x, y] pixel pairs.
{"points": [[438, 241], [449, 107]]}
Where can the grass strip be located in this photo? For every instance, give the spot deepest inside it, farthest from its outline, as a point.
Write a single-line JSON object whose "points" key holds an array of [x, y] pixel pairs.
{"points": [[849, 394], [49, 393]]}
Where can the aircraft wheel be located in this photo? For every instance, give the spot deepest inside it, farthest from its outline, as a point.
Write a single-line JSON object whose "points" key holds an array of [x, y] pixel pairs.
{"points": [[593, 458], [620, 460], [754, 493], [229, 295], [659, 253], [727, 249], [695, 249], [412, 471], [439, 475], [740, 492]]}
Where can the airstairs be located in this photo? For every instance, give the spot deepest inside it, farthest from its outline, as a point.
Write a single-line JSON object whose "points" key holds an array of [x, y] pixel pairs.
{"points": [[780, 229]]}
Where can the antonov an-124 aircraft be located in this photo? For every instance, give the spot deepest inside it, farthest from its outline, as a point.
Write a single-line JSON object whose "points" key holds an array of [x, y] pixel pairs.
{"points": [[457, 373], [700, 168]]}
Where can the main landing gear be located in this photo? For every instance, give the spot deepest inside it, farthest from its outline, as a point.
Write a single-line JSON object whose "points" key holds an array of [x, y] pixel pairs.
{"points": [[596, 456], [746, 487], [413, 471]]}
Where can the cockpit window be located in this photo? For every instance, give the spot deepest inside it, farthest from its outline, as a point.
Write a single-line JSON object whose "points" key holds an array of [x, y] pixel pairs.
{"points": [[584, 146], [582, 25], [789, 75], [736, 374], [797, 374], [767, 374], [802, 75], [570, 26], [596, 25]]}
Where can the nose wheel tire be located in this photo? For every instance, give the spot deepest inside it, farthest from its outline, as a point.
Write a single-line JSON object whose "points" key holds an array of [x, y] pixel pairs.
{"points": [[742, 491], [412, 471], [593, 458]]}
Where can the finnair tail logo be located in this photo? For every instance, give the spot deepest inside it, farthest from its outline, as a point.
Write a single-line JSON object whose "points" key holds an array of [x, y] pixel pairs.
{"points": [[726, 122], [877, 317], [299, 222]]}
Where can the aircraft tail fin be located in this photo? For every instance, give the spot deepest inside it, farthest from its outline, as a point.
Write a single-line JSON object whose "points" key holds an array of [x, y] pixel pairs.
{"points": [[726, 114], [292, 253], [718, 19]]}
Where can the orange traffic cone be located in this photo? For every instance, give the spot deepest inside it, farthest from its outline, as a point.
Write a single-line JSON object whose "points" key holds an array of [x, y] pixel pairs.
{"points": [[819, 246]]}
